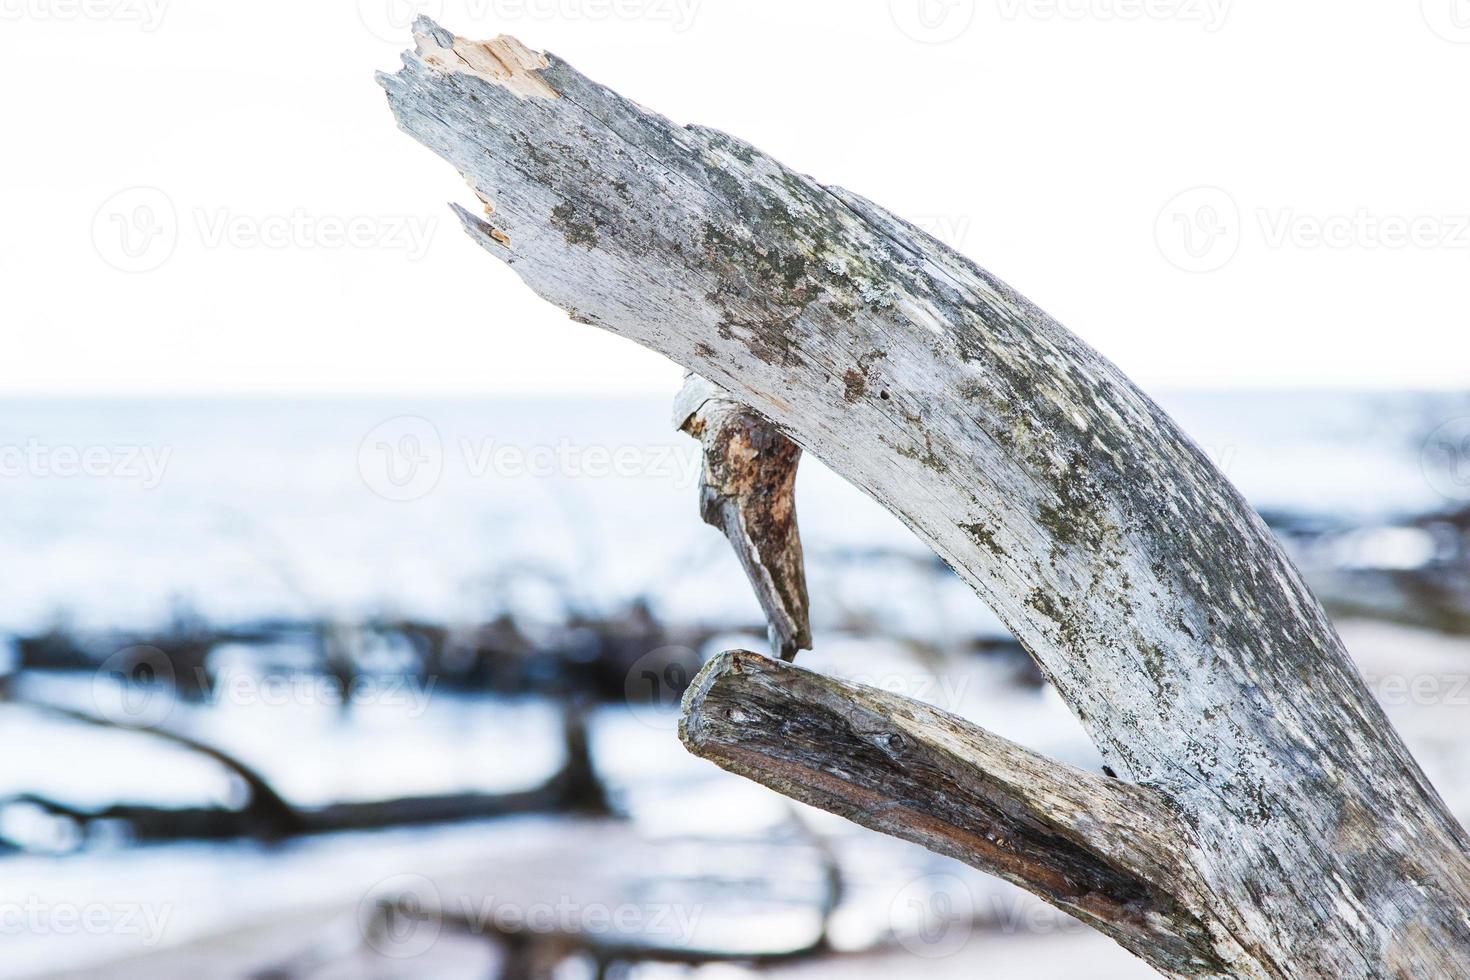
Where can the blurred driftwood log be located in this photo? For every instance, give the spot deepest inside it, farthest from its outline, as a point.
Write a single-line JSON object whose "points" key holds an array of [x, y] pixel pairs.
{"points": [[1266, 820], [575, 788]]}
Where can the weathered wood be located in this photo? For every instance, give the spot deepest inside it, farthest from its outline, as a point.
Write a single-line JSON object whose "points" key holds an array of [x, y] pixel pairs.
{"points": [[748, 490], [1111, 853], [1148, 592]]}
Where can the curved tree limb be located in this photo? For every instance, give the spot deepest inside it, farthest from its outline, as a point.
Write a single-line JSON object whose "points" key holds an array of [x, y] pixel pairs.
{"points": [[1148, 592], [265, 814]]}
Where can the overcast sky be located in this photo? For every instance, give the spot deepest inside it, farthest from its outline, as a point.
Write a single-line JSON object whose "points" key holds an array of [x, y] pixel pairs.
{"points": [[203, 197]]}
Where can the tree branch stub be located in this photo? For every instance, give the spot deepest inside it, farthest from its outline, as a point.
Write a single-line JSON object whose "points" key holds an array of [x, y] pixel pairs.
{"points": [[748, 491]]}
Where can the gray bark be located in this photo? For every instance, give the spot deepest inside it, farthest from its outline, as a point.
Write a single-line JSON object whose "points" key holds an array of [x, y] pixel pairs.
{"points": [[1146, 589]]}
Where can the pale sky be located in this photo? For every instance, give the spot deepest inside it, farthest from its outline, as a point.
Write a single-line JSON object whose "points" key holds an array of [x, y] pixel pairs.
{"points": [[203, 197]]}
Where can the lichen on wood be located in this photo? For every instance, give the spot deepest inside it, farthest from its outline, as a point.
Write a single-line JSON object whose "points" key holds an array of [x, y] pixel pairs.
{"points": [[1147, 590]]}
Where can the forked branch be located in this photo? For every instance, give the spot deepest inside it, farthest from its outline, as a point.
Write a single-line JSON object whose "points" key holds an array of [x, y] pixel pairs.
{"points": [[1113, 854], [1149, 593]]}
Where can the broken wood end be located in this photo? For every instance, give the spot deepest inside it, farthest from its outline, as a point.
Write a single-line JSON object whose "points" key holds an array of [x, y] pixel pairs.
{"points": [[502, 60]]}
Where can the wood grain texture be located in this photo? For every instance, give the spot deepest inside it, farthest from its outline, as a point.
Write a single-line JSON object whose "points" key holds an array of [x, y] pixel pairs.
{"points": [[747, 489], [1111, 853], [1146, 589]]}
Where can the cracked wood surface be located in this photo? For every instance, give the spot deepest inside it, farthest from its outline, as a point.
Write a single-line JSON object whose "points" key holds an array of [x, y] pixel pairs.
{"points": [[1113, 854], [1147, 590]]}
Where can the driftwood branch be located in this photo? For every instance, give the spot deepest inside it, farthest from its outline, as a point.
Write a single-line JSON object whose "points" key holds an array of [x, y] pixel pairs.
{"points": [[748, 491], [1151, 596], [265, 812], [1113, 854], [266, 815]]}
